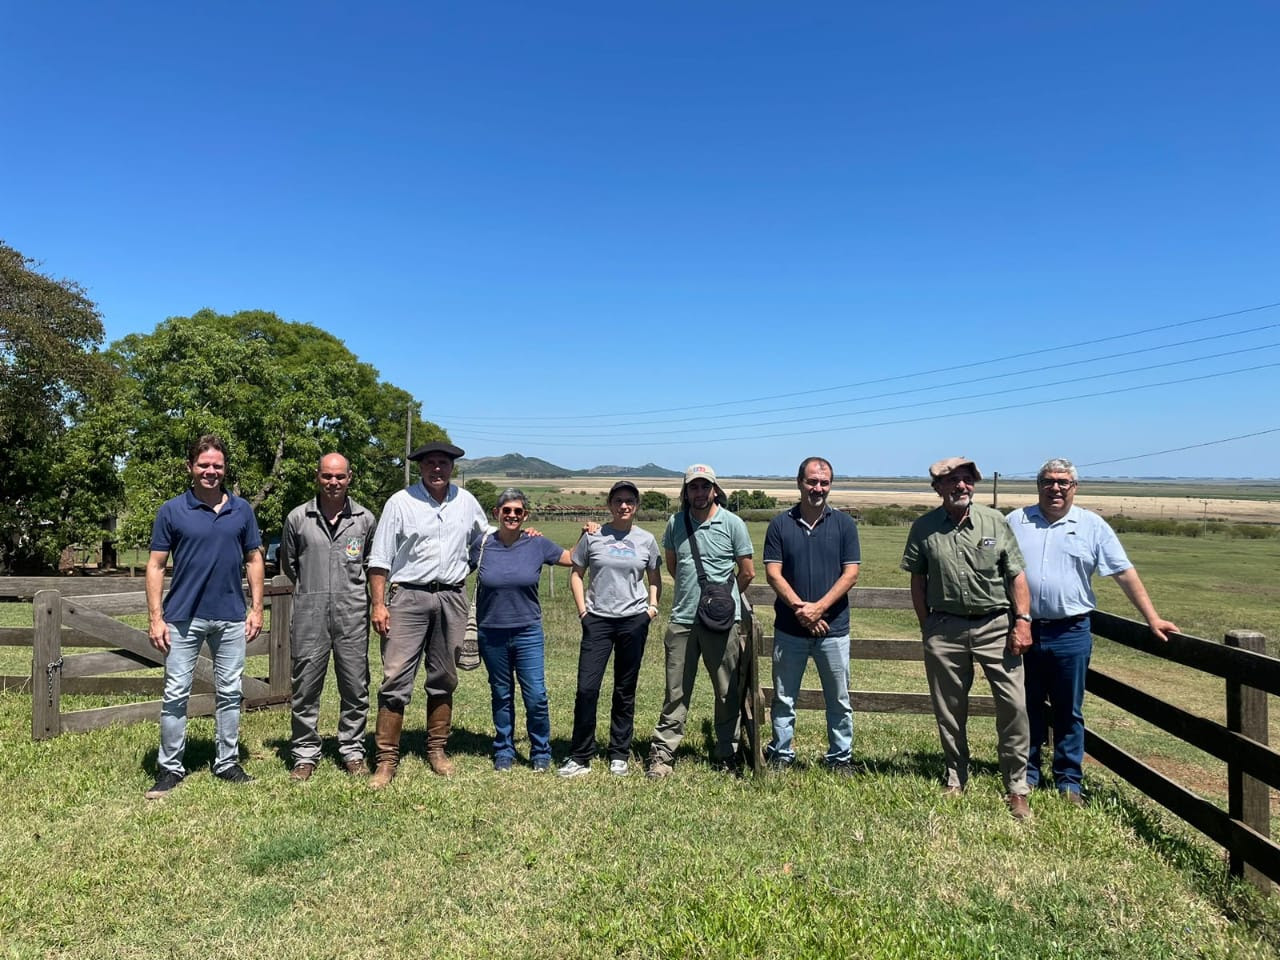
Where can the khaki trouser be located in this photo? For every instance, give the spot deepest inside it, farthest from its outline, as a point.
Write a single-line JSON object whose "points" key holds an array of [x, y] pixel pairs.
{"points": [[721, 652], [424, 626], [952, 645]]}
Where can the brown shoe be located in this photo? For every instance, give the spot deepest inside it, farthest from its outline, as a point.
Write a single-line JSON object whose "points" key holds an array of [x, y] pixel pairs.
{"points": [[439, 723], [951, 790], [1072, 797], [386, 738], [356, 768], [302, 772], [1018, 806]]}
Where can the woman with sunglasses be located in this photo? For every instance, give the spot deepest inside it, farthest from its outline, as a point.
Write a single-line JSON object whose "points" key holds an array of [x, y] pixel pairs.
{"points": [[509, 629], [620, 601]]}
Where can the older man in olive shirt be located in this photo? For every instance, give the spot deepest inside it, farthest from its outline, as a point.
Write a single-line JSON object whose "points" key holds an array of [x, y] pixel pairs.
{"points": [[970, 596]]}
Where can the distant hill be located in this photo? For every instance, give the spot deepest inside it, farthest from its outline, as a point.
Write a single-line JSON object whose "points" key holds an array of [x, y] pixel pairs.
{"points": [[648, 470], [513, 464], [518, 465]]}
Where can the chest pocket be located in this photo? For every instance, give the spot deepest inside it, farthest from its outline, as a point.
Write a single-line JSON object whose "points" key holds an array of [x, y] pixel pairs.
{"points": [[1078, 549], [983, 558]]}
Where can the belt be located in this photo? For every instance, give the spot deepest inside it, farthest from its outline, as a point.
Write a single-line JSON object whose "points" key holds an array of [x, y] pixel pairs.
{"points": [[1063, 621], [973, 616], [435, 586]]}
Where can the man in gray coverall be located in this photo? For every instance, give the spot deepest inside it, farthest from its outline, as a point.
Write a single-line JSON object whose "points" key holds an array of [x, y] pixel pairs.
{"points": [[325, 552]]}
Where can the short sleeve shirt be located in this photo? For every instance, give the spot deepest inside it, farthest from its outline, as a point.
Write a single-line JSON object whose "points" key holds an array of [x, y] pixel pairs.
{"points": [[507, 596], [722, 538], [208, 549], [616, 563], [1062, 557], [812, 558], [966, 565]]}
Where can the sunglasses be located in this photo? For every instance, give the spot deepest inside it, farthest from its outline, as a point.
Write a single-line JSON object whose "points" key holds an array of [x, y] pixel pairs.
{"points": [[512, 511]]}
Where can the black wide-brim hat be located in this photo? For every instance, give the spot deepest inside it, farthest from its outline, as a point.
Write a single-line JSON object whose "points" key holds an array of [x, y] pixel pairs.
{"points": [[448, 449]]}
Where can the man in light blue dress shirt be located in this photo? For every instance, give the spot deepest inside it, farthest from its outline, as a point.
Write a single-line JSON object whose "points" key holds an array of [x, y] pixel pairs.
{"points": [[1062, 546]]}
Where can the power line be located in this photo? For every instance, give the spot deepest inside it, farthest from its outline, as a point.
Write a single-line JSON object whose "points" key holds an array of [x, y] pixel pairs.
{"points": [[663, 435], [1190, 446], [704, 440], [463, 418], [704, 420], [592, 432]]}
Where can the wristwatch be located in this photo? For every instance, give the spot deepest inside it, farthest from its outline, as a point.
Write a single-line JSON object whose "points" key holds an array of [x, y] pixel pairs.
{"points": [[1023, 616]]}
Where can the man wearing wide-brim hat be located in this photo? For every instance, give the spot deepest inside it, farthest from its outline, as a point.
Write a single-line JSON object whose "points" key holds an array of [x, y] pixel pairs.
{"points": [[422, 548], [970, 596]]}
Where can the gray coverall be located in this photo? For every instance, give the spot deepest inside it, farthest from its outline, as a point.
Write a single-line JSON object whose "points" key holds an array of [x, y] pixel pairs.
{"points": [[330, 612]]}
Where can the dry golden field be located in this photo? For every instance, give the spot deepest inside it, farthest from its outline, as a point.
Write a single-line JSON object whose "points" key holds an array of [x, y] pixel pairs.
{"points": [[852, 493]]}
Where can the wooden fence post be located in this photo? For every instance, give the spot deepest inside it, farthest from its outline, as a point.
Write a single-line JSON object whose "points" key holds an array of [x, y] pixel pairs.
{"points": [[1248, 799], [279, 674], [46, 666]]}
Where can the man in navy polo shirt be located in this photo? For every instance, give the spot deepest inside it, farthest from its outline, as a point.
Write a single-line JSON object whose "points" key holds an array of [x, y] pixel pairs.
{"points": [[212, 535], [811, 559]]}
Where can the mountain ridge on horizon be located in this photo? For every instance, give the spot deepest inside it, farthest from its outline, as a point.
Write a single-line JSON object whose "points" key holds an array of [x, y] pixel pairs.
{"points": [[519, 465], [516, 464]]}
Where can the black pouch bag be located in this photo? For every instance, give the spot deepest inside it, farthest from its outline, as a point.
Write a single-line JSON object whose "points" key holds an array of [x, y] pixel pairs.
{"points": [[716, 609]]}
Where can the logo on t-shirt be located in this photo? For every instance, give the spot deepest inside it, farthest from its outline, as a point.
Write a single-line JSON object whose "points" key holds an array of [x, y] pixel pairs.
{"points": [[622, 548], [988, 541], [354, 547]]}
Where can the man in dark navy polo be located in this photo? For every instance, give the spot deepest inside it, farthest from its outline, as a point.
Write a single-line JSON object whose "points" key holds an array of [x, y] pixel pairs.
{"points": [[212, 535], [811, 559]]}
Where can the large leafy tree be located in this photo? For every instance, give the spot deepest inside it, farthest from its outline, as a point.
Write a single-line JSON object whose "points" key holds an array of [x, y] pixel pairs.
{"points": [[280, 393], [57, 485]]}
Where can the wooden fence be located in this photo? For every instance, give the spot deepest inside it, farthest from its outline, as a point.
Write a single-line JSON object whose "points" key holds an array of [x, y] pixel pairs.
{"points": [[79, 612], [1242, 743]]}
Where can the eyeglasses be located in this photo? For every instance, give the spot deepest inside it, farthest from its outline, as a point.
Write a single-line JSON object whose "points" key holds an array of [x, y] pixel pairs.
{"points": [[512, 511], [1049, 484]]}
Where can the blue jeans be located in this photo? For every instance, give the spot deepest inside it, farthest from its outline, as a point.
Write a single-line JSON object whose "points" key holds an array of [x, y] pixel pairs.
{"points": [[518, 650], [1055, 667], [790, 657], [226, 648]]}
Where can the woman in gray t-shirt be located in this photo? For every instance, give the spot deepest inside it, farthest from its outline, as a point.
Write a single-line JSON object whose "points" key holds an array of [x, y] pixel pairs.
{"points": [[624, 582]]}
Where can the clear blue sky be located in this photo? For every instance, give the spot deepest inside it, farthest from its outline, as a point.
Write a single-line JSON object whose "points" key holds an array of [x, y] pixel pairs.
{"points": [[597, 233]]}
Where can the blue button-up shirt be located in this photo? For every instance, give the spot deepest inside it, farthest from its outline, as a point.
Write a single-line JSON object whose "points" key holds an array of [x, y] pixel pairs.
{"points": [[1061, 558]]}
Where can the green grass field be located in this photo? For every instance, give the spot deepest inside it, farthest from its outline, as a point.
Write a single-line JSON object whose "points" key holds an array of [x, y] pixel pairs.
{"points": [[800, 865]]}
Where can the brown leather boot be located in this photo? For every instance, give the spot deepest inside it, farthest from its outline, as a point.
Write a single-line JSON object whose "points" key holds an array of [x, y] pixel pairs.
{"points": [[439, 723], [386, 739]]}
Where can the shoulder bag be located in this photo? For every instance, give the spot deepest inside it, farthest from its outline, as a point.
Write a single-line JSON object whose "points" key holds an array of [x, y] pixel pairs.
{"points": [[716, 609]]}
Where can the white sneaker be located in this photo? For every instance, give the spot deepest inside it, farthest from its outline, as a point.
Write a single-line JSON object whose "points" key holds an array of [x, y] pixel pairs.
{"points": [[573, 769], [619, 768]]}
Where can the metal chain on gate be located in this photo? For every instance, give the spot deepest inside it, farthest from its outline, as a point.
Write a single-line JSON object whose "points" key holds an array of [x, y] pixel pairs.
{"points": [[48, 672]]}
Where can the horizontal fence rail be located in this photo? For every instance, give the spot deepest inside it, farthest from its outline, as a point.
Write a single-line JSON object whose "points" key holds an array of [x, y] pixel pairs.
{"points": [[67, 613], [1253, 767]]}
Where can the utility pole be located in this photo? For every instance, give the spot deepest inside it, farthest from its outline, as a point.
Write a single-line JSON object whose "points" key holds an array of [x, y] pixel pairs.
{"points": [[408, 439], [995, 490]]}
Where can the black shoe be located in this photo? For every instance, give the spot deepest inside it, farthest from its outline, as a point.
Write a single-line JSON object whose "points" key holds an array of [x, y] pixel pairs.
{"points": [[843, 768], [167, 781], [730, 766], [234, 774]]}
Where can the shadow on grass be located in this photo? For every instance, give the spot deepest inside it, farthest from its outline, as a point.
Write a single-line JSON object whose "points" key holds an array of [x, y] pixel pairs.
{"points": [[1204, 865], [199, 754]]}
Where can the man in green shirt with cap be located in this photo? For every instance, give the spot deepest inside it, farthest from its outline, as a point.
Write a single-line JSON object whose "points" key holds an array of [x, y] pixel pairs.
{"points": [[970, 596]]}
